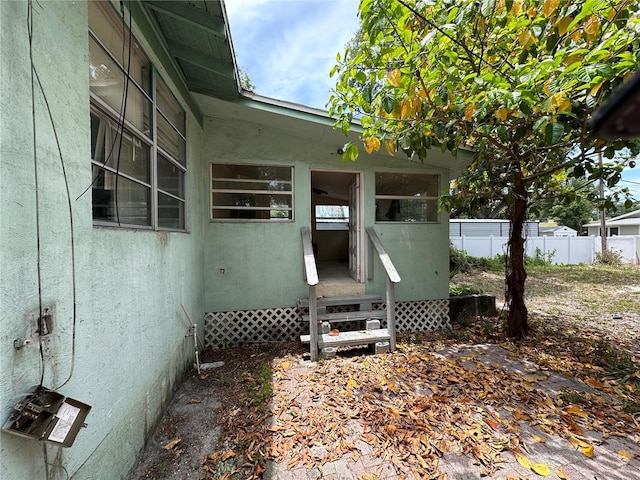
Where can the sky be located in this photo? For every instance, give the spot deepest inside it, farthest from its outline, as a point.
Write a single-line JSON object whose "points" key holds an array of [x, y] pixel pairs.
{"points": [[288, 48]]}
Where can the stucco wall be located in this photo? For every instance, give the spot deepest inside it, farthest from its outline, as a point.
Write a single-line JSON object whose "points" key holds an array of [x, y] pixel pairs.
{"points": [[262, 263], [130, 345]]}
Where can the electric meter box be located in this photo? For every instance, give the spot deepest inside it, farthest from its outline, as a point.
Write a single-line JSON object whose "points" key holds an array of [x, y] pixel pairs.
{"points": [[47, 416]]}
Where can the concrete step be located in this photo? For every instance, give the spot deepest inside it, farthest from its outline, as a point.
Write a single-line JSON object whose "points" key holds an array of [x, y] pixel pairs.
{"points": [[341, 317], [361, 337], [343, 300]]}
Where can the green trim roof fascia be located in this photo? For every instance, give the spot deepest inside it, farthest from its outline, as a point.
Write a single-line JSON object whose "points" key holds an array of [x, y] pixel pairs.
{"points": [[154, 38], [296, 111]]}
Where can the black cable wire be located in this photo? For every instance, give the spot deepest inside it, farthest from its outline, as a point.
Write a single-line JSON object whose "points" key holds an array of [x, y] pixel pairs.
{"points": [[44, 446], [36, 184], [71, 232]]}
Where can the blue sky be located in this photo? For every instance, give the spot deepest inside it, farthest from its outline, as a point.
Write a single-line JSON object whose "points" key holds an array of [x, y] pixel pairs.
{"points": [[631, 180], [288, 48]]}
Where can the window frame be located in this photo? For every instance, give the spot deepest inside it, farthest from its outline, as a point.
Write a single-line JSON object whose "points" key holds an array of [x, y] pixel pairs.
{"points": [[107, 114], [212, 191], [426, 199]]}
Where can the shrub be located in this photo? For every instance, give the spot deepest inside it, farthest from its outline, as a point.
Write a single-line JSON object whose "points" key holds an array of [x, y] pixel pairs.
{"points": [[458, 261], [541, 259], [609, 257], [456, 290], [461, 262]]}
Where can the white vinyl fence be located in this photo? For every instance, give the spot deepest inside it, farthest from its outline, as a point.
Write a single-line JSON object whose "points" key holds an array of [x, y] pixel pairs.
{"points": [[566, 250]]}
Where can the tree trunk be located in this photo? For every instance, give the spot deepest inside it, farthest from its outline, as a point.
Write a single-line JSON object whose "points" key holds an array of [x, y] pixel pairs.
{"points": [[516, 275]]}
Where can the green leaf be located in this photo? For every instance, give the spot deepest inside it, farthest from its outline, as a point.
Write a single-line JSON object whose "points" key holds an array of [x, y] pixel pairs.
{"points": [[388, 102], [351, 152], [553, 133], [367, 94], [538, 123], [487, 7], [609, 152]]}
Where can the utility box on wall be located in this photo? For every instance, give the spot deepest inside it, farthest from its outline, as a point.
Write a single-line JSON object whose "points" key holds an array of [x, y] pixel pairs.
{"points": [[47, 416]]}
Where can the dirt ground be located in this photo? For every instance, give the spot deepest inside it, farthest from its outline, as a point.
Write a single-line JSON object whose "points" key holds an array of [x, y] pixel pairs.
{"points": [[208, 408]]}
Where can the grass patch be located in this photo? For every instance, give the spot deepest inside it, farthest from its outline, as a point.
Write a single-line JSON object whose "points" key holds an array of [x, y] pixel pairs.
{"points": [[262, 393]]}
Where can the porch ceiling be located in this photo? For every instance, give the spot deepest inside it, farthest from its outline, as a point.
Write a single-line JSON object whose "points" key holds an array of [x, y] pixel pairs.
{"points": [[197, 37]]}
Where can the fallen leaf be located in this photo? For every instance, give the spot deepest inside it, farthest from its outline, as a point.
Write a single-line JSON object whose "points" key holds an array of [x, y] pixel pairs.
{"points": [[592, 382], [537, 438], [523, 460], [541, 469], [368, 476], [259, 469], [227, 455], [624, 454], [172, 444], [194, 401], [560, 473], [573, 426], [588, 451], [286, 365], [576, 411], [492, 423], [352, 383]]}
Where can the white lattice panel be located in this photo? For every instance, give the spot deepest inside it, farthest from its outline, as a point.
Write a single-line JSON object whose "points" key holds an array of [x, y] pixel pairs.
{"points": [[226, 329], [422, 315]]}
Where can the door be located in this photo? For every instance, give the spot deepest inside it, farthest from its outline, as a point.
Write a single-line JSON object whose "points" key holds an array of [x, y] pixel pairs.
{"points": [[355, 230]]}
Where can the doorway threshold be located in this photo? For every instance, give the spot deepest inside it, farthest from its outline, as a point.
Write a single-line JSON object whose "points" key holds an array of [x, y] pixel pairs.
{"points": [[335, 280]]}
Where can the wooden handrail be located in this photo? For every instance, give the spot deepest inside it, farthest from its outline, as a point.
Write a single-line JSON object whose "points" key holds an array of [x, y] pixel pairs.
{"points": [[311, 276], [392, 278], [310, 270], [390, 269]]}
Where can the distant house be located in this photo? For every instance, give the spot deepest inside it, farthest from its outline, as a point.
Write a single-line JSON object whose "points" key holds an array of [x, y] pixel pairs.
{"points": [[485, 227], [627, 224], [558, 231]]}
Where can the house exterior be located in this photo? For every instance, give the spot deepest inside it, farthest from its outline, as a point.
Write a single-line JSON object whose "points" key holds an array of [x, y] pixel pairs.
{"points": [[558, 231], [627, 224], [139, 182], [484, 227]]}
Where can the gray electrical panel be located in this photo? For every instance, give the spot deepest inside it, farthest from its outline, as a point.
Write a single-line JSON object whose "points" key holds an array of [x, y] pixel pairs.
{"points": [[47, 416]]}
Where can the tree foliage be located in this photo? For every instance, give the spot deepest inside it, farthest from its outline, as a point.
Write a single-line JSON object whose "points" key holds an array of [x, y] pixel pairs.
{"points": [[513, 81]]}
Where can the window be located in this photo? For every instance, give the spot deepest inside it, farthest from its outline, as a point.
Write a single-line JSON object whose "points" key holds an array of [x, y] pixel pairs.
{"points": [[251, 193], [332, 217], [407, 197], [138, 134]]}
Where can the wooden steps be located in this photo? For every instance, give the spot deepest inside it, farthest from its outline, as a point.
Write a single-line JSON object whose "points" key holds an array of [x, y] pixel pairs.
{"points": [[345, 339], [342, 317], [362, 331], [346, 300]]}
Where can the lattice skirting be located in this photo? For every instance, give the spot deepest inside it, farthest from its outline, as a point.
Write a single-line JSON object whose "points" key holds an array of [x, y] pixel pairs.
{"points": [[240, 327]]}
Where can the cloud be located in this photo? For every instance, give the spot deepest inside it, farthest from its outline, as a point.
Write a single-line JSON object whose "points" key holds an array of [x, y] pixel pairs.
{"points": [[288, 47]]}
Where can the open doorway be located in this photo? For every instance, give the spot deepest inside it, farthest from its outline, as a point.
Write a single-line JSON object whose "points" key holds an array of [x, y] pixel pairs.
{"points": [[336, 216]]}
